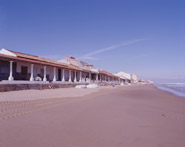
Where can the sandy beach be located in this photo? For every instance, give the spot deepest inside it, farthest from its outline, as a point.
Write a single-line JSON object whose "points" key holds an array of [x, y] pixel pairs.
{"points": [[133, 116]]}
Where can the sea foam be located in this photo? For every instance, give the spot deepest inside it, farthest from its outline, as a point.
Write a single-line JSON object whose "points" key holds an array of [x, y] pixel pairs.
{"points": [[175, 88]]}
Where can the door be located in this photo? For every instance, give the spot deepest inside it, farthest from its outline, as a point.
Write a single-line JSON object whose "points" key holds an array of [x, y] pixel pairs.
{"points": [[24, 70], [59, 74]]}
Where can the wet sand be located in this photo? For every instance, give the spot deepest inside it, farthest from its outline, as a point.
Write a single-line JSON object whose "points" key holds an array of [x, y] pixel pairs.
{"points": [[135, 116]]}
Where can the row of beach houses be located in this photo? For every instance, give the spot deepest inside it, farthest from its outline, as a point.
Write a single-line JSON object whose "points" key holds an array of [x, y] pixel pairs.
{"points": [[16, 67]]}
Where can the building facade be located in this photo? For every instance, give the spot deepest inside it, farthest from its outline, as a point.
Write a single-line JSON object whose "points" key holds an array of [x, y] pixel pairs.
{"points": [[15, 66]]}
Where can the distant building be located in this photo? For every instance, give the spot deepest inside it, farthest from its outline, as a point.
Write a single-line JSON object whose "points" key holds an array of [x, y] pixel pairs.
{"points": [[134, 78], [127, 77]]}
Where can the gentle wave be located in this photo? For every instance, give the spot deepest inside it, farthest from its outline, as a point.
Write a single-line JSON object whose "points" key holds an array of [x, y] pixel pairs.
{"points": [[175, 88]]}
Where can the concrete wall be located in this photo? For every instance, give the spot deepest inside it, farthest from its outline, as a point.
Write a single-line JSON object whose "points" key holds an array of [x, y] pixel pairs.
{"points": [[15, 87]]}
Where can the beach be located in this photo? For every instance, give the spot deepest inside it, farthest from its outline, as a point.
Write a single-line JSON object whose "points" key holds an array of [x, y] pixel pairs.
{"points": [[129, 116]]}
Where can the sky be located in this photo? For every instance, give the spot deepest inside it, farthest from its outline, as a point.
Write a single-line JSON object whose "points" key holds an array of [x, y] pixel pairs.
{"points": [[144, 37]]}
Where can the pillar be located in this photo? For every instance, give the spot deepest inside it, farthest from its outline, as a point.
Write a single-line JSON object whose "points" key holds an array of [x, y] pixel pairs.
{"points": [[31, 77], [10, 78], [45, 79], [63, 75], [69, 75], [75, 77], [54, 72], [80, 77], [96, 77], [89, 77]]}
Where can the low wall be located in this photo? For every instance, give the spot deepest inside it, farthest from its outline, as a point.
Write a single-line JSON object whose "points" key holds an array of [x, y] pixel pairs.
{"points": [[14, 87], [22, 85]]}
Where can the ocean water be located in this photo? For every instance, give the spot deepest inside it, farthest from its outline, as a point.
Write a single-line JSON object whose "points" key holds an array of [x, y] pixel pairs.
{"points": [[175, 88]]}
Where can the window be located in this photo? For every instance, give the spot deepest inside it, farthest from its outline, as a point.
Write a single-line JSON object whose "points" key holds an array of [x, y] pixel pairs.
{"points": [[4, 67]]}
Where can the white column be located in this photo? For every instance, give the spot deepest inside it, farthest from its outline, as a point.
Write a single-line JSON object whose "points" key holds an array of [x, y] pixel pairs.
{"points": [[45, 79], [31, 78], [54, 72], [75, 77], [100, 78], [97, 78], [63, 75], [10, 78], [69, 75], [122, 82], [80, 77], [89, 77]]}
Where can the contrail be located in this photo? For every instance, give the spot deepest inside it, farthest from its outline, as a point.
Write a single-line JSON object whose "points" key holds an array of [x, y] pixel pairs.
{"points": [[90, 54]]}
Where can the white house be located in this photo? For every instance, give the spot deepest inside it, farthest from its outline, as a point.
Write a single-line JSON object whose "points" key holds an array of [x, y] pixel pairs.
{"points": [[15, 66], [127, 77]]}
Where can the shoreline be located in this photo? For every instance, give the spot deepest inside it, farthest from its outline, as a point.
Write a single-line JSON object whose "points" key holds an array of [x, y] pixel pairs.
{"points": [[171, 90]]}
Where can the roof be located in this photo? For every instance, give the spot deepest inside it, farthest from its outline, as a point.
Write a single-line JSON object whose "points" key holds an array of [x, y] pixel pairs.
{"points": [[124, 75], [107, 73], [71, 61], [33, 59]]}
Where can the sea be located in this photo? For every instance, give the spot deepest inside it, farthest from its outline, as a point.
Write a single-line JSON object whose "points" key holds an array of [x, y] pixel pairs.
{"points": [[175, 88]]}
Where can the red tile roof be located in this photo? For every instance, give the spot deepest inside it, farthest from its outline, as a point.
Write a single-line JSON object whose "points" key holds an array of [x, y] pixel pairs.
{"points": [[37, 60], [107, 73]]}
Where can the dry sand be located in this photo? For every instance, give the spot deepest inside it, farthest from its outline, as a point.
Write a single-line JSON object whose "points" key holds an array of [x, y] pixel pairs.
{"points": [[48, 93], [138, 116]]}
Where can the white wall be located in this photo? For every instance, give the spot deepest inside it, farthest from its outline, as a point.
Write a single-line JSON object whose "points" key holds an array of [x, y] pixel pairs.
{"points": [[37, 70], [19, 64], [50, 71], [66, 74]]}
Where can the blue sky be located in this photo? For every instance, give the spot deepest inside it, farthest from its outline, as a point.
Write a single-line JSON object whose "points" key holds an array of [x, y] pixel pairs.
{"points": [[145, 37]]}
